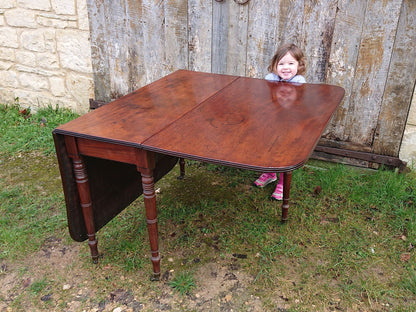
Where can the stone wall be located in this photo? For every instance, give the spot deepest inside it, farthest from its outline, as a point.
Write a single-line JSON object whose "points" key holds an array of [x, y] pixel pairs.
{"points": [[408, 146], [45, 56]]}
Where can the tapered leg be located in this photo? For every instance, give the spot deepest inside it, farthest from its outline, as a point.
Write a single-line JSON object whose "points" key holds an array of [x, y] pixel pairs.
{"points": [[151, 218], [287, 179], [182, 168], [81, 179]]}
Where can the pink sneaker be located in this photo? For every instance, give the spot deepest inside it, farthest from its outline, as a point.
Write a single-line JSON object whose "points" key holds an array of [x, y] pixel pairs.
{"points": [[278, 192], [265, 179]]}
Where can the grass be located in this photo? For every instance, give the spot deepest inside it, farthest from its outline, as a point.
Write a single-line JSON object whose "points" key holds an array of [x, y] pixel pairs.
{"points": [[22, 131], [348, 244], [183, 283], [26, 157], [38, 286]]}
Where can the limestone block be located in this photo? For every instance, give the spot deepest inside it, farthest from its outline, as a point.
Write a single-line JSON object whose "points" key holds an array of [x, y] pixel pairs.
{"points": [[47, 60], [56, 21], [26, 58], [33, 40], [20, 18], [9, 37], [81, 87], [52, 22], [83, 22], [82, 108], [6, 4], [8, 78], [43, 5], [34, 99], [57, 86], [34, 70], [7, 54], [2, 20], [74, 50], [50, 40], [411, 119], [408, 147], [5, 65], [72, 105], [6, 95], [64, 6], [33, 81]]}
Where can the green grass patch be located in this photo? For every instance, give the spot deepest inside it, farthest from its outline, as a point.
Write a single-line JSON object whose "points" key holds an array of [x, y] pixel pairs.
{"points": [[38, 286], [31, 197], [183, 283], [22, 131]]}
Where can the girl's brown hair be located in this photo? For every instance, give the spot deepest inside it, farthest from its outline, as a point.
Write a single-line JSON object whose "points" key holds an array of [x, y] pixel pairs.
{"points": [[294, 51]]}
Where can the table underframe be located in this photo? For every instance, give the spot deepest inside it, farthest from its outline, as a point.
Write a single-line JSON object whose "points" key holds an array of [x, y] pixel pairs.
{"points": [[145, 162]]}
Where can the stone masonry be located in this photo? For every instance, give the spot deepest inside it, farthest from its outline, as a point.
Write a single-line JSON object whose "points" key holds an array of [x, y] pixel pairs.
{"points": [[45, 54], [408, 146]]}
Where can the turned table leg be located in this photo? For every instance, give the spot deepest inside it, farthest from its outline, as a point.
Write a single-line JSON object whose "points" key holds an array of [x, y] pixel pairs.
{"points": [[151, 219], [287, 179], [182, 168], [81, 179]]}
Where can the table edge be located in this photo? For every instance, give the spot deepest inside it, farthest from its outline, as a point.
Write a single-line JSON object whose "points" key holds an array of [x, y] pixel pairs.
{"points": [[183, 155], [224, 162]]}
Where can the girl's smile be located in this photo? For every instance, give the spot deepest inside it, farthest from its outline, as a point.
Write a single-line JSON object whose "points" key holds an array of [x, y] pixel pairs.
{"points": [[287, 67]]}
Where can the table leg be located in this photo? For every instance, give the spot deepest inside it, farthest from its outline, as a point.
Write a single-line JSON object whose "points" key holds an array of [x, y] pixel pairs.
{"points": [[81, 179], [182, 168], [287, 179], [151, 218]]}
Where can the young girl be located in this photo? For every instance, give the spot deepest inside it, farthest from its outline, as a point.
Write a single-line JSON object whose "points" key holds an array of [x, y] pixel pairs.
{"points": [[287, 65]]}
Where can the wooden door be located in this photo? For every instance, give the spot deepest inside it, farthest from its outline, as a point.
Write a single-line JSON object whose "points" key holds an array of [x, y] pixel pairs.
{"points": [[365, 46]]}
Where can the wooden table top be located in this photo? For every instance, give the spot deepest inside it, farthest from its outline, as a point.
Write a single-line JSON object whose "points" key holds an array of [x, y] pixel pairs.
{"points": [[241, 122]]}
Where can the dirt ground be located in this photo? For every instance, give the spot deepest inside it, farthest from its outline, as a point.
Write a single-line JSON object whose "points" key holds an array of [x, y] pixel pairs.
{"points": [[71, 285], [61, 277]]}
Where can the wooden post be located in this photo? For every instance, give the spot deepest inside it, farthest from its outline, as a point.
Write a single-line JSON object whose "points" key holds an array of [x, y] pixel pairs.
{"points": [[146, 165], [182, 168], [81, 178], [287, 179]]}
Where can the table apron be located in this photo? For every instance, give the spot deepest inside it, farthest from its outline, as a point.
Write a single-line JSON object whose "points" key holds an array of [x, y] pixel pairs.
{"points": [[121, 153]]}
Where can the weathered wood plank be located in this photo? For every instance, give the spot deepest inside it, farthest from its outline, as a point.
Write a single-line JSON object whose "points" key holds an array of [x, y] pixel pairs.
{"points": [[99, 54], [291, 17], [136, 68], [263, 36], [237, 39], [152, 16], [318, 29], [343, 60], [176, 34], [118, 59], [400, 84], [220, 24], [371, 72], [199, 35]]}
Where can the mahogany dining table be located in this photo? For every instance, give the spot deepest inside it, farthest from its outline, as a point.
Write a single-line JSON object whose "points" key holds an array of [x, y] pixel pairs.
{"points": [[110, 156]]}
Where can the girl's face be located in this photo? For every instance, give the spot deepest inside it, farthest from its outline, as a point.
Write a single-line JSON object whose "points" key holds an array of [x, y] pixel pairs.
{"points": [[287, 67]]}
